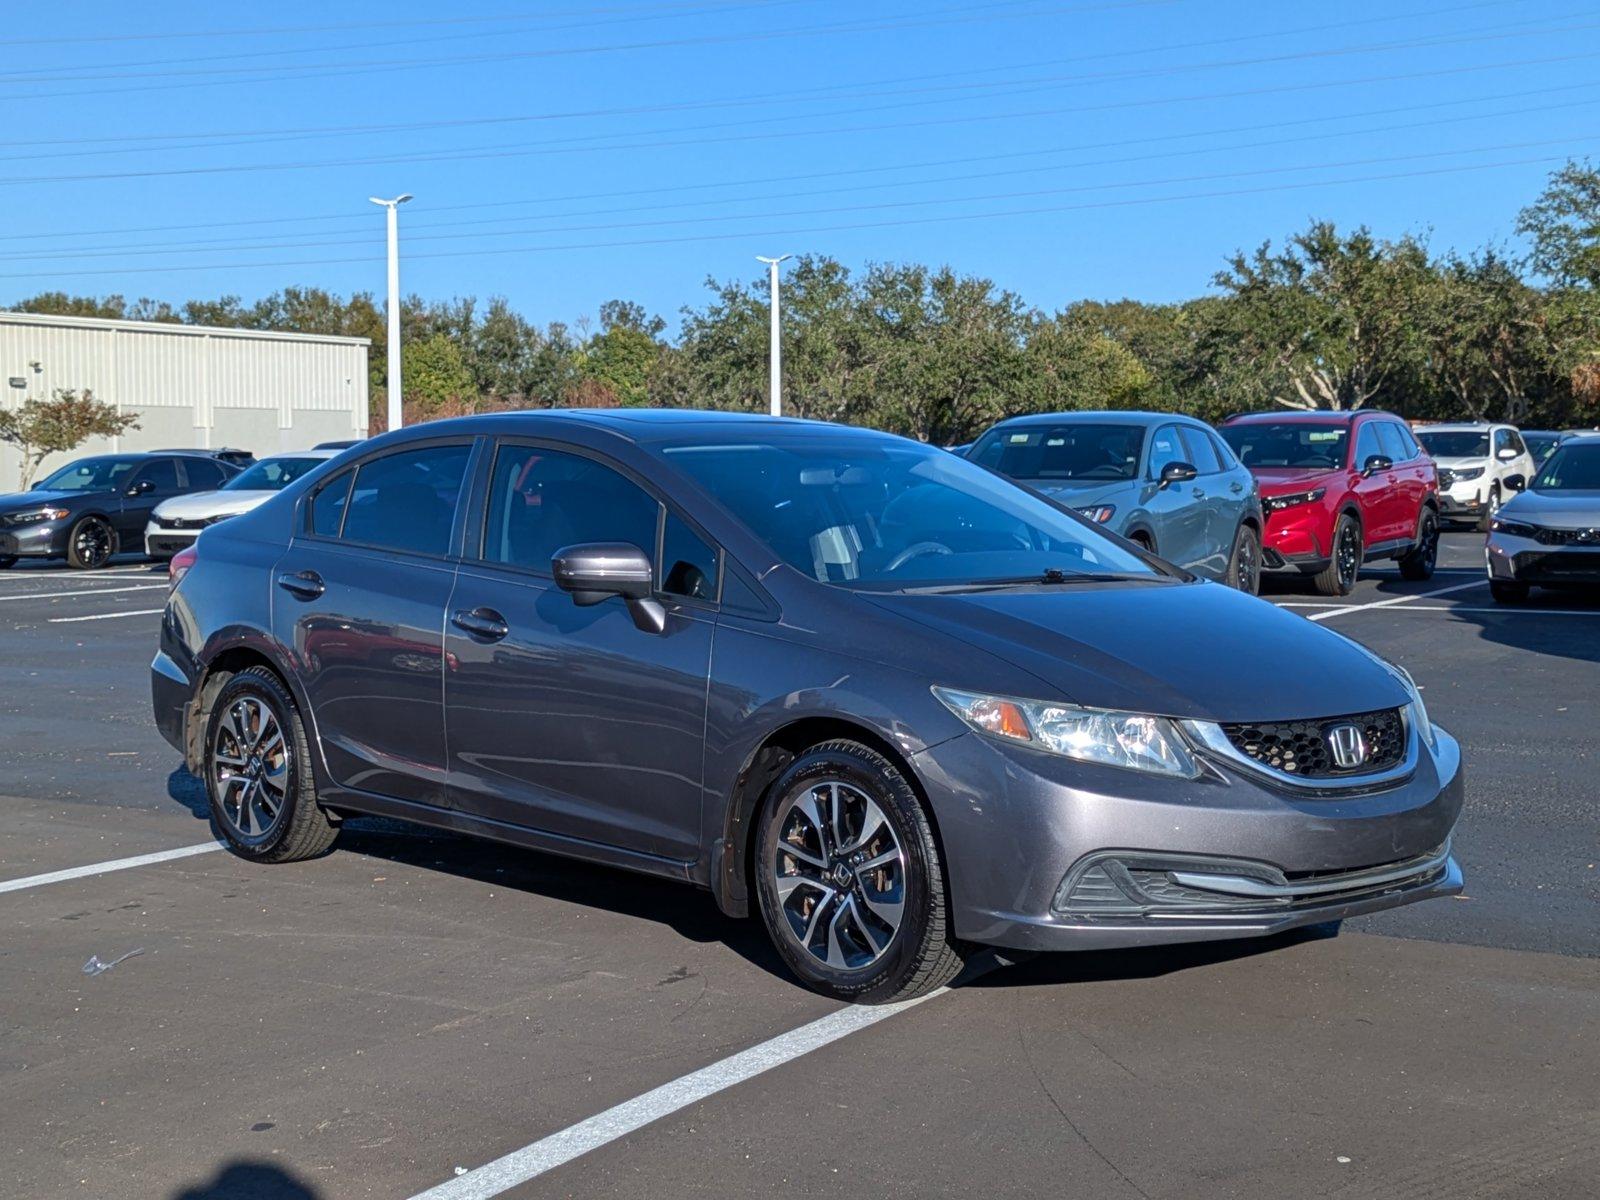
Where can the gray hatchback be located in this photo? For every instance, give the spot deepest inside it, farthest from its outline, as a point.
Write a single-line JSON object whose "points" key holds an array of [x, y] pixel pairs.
{"points": [[1164, 481], [891, 702]]}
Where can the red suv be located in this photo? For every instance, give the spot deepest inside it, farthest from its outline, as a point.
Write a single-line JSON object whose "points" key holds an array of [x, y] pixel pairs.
{"points": [[1339, 489]]}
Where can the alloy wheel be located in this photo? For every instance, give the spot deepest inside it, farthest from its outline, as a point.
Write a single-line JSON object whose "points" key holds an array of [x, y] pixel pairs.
{"points": [[1246, 576], [839, 873], [1430, 542], [250, 768], [1349, 553], [92, 541]]}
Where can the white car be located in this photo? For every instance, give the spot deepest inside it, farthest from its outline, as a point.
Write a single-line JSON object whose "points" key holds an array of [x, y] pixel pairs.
{"points": [[1480, 467], [176, 523], [1550, 534]]}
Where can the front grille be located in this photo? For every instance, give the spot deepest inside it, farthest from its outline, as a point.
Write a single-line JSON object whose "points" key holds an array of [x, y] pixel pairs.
{"points": [[1557, 566], [1305, 748], [1568, 537]]}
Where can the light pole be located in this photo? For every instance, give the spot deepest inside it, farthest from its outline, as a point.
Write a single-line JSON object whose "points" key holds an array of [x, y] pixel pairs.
{"points": [[396, 392], [777, 341]]}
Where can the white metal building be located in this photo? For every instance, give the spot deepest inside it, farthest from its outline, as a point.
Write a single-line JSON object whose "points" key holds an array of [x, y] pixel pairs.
{"points": [[189, 385]]}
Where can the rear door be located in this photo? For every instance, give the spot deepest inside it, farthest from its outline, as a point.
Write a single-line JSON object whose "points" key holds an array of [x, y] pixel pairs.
{"points": [[359, 599], [1177, 511], [567, 719]]}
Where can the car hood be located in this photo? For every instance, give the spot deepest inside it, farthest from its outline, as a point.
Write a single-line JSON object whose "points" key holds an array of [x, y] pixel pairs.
{"points": [[1559, 510], [1079, 493], [21, 501], [1278, 481], [1198, 650], [1458, 463], [198, 505]]}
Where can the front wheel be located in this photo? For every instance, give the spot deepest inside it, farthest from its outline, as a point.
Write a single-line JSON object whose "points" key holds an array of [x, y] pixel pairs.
{"points": [[7, 561], [850, 878], [1338, 578], [258, 773], [1419, 562], [90, 544], [1244, 564], [1490, 509]]}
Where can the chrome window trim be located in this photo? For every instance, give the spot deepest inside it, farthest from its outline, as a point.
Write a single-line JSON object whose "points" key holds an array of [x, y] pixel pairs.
{"points": [[1208, 737]]}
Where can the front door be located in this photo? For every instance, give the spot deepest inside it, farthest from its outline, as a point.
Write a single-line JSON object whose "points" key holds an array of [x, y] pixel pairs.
{"points": [[568, 719], [1178, 511], [359, 599], [1378, 494], [155, 481]]}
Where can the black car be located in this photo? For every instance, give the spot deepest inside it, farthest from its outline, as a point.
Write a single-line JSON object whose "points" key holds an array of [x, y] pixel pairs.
{"points": [[224, 454], [90, 509], [890, 701]]}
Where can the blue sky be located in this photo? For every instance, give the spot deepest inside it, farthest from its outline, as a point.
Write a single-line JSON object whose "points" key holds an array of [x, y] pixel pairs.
{"points": [[565, 153]]}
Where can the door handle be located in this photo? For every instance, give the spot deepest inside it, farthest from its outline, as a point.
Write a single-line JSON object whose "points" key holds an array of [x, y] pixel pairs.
{"points": [[482, 623], [1198, 493], [303, 585], [1236, 488]]}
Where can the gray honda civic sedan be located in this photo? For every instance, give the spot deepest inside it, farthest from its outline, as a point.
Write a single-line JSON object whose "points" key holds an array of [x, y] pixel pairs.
{"points": [[890, 702]]}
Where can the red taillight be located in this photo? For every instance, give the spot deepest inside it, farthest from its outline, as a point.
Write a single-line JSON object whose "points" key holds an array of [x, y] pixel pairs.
{"points": [[179, 566]]}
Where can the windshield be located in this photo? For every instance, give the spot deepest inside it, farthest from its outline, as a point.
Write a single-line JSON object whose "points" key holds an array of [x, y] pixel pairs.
{"points": [[1541, 445], [875, 514], [1068, 451], [1571, 469], [1288, 444], [1455, 443], [90, 475], [271, 474]]}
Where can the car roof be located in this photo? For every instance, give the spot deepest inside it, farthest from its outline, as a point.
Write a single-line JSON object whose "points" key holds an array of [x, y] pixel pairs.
{"points": [[300, 454], [1141, 417], [646, 425], [1298, 417], [1463, 426]]}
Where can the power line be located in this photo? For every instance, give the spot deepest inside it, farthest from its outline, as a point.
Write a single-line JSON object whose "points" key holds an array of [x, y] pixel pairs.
{"points": [[843, 227], [521, 227]]}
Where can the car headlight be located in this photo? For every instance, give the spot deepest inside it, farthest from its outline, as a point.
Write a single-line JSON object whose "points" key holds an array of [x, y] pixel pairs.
{"points": [[1459, 475], [1514, 528], [1419, 710], [1099, 513], [1134, 741], [1274, 503], [34, 515]]}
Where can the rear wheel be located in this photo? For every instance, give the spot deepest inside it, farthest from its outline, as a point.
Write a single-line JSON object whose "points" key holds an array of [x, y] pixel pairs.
{"points": [[850, 878], [1419, 563], [1244, 564], [1338, 578], [90, 544], [1506, 591], [258, 773]]}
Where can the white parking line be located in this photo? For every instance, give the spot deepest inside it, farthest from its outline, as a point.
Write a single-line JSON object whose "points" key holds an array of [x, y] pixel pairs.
{"points": [[13, 597], [116, 864], [76, 578], [1393, 600], [1505, 610], [143, 612], [550, 1152]]}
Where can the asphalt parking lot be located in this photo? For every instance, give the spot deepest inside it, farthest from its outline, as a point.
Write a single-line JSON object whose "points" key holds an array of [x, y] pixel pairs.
{"points": [[391, 1018]]}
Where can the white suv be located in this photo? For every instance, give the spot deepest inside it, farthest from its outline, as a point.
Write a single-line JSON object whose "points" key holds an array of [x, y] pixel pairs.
{"points": [[1477, 464]]}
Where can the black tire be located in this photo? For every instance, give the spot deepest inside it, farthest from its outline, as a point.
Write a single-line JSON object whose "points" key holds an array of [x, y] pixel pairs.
{"points": [[914, 957], [90, 544], [298, 829], [1507, 592], [7, 561], [1419, 562], [1244, 564], [1339, 577], [1486, 521]]}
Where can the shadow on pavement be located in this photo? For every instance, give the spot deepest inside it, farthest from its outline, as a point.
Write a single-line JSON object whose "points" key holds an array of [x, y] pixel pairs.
{"points": [[246, 1180]]}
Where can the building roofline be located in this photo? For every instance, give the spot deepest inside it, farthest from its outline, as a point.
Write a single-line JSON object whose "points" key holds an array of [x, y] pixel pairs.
{"points": [[173, 327]]}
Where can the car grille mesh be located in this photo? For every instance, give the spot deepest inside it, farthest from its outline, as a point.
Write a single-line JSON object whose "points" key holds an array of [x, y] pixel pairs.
{"points": [[1303, 747], [1568, 537]]}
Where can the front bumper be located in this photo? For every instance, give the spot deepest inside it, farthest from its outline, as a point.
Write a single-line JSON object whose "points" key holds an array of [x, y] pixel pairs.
{"points": [[162, 542], [1525, 560], [1296, 539], [47, 539], [1024, 832], [1464, 501]]}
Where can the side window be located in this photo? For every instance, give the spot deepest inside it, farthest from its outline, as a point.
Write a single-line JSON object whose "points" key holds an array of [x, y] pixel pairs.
{"points": [[543, 500], [1367, 444], [1165, 448], [1514, 440], [1198, 450], [327, 506], [1502, 440], [1230, 460], [1391, 442], [161, 473], [1412, 449], [407, 501], [204, 475], [688, 566]]}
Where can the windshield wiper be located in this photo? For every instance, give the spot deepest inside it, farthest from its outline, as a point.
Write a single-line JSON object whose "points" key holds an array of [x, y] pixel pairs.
{"points": [[1051, 577]]}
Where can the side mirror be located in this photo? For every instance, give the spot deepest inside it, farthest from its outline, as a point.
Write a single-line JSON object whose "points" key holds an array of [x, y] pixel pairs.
{"points": [[1515, 483], [1176, 472], [597, 571], [143, 488], [1376, 463], [1505, 454]]}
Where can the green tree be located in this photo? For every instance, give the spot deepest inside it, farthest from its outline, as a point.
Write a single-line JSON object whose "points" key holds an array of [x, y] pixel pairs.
{"points": [[39, 428]]}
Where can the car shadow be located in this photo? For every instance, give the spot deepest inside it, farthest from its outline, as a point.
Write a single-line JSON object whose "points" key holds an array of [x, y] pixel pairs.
{"points": [[1520, 627], [247, 1179]]}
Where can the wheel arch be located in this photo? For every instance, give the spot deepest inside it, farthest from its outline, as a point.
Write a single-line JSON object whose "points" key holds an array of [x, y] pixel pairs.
{"points": [[733, 858], [218, 667]]}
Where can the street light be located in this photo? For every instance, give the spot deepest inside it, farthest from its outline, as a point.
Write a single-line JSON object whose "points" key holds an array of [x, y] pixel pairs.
{"points": [[396, 392], [776, 402]]}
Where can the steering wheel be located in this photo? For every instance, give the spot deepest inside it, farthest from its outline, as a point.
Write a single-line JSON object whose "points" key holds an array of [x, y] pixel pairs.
{"points": [[916, 550]]}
